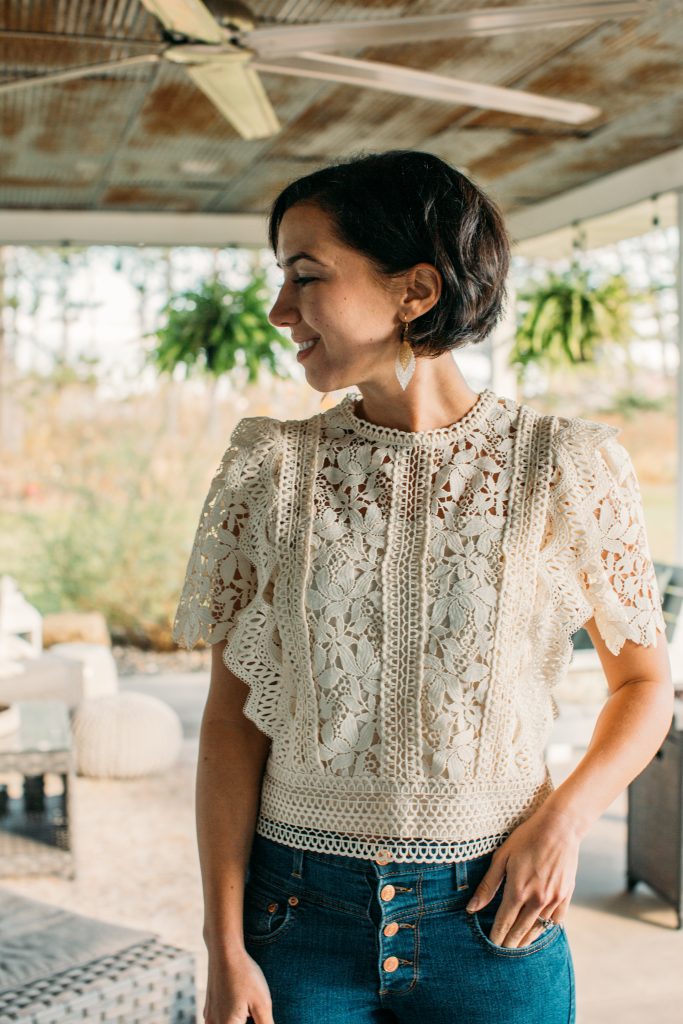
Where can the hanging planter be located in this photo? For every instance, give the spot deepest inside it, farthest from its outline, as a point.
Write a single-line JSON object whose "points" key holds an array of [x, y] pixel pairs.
{"points": [[566, 320], [215, 329]]}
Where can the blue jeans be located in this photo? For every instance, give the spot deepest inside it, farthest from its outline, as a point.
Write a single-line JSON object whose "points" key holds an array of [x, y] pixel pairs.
{"points": [[343, 940]]}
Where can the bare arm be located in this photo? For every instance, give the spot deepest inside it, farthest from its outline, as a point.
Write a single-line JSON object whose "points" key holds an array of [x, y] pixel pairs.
{"points": [[629, 730], [230, 765]]}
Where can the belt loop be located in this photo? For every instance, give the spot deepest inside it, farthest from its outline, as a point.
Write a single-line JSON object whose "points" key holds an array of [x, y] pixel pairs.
{"points": [[297, 863], [461, 881]]}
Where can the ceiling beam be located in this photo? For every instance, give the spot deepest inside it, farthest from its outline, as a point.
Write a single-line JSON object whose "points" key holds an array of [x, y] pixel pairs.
{"points": [[86, 227], [601, 196]]}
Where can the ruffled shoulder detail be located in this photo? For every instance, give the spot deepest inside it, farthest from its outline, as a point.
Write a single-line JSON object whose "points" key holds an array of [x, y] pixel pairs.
{"points": [[598, 537], [227, 592]]}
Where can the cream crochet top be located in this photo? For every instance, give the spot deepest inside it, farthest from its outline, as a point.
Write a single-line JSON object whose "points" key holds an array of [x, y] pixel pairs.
{"points": [[401, 605]]}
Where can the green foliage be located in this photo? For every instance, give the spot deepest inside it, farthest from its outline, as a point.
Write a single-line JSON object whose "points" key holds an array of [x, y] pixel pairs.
{"points": [[102, 558], [566, 318], [112, 537], [630, 403], [216, 329]]}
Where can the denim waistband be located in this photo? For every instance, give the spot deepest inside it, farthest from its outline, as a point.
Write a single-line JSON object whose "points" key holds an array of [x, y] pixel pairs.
{"points": [[279, 860]]}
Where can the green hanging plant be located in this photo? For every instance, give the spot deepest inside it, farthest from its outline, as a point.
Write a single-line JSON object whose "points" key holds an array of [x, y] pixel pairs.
{"points": [[216, 329], [566, 318]]}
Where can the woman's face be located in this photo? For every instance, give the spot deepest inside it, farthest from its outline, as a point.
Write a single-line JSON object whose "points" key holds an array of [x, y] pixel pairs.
{"points": [[332, 295]]}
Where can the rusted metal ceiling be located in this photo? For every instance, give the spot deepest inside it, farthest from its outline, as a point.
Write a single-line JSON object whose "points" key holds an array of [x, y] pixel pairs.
{"points": [[147, 139]]}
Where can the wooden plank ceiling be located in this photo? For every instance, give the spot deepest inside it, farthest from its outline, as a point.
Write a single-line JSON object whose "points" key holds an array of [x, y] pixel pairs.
{"points": [[146, 139]]}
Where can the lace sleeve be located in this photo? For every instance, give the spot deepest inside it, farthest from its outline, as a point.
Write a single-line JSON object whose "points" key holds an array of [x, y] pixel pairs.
{"points": [[597, 503], [221, 579]]}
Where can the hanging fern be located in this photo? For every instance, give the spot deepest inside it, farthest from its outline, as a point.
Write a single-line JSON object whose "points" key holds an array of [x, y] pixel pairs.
{"points": [[565, 319], [216, 329]]}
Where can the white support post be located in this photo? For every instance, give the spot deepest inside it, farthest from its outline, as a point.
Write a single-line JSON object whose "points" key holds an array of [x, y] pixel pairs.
{"points": [[679, 383], [503, 376]]}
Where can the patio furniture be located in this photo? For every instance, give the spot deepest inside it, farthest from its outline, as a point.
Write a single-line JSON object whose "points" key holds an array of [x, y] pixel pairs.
{"points": [[35, 832], [100, 675], [47, 677], [58, 967], [655, 821], [17, 616], [125, 735]]}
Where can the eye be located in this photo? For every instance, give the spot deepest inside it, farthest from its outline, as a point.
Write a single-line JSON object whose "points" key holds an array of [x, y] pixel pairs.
{"points": [[296, 280]]}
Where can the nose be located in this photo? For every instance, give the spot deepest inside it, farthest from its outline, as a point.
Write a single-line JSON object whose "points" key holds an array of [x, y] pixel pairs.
{"points": [[283, 313]]}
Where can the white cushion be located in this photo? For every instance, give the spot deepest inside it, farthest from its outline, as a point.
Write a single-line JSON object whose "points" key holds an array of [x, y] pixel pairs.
{"points": [[125, 735]]}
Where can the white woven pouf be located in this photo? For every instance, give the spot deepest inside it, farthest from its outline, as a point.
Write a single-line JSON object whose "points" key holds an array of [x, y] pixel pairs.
{"points": [[125, 735], [100, 674]]}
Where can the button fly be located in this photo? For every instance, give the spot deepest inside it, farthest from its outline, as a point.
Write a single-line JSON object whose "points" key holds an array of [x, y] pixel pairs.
{"points": [[391, 929], [383, 857], [387, 892], [390, 964]]}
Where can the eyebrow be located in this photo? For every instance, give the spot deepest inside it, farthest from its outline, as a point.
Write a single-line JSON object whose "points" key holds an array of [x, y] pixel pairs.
{"points": [[300, 256]]}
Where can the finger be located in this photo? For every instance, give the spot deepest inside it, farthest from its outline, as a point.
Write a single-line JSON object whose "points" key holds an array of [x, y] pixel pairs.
{"points": [[488, 885], [505, 919], [561, 909], [520, 924], [533, 933], [550, 913]]}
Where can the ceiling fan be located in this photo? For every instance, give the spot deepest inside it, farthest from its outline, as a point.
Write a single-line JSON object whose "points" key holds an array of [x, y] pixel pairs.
{"points": [[222, 48]]}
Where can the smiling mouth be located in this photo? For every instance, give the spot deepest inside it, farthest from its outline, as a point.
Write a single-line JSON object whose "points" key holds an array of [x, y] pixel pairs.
{"points": [[303, 346]]}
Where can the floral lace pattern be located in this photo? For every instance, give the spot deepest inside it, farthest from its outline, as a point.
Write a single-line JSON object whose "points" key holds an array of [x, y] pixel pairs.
{"points": [[401, 606]]}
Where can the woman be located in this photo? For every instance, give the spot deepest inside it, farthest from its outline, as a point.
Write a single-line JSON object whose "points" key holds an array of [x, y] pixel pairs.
{"points": [[390, 588]]}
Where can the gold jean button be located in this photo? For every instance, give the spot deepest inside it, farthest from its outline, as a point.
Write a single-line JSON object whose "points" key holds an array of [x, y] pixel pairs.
{"points": [[293, 900], [387, 892], [391, 929], [391, 963], [272, 907], [383, 857]]}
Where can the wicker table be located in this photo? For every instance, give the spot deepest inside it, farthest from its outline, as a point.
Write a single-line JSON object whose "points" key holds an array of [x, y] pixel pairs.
{"points": [[35, 835], [655, 821]]}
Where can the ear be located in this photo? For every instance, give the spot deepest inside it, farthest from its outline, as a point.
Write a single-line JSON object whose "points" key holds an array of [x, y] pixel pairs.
{"points": [[422, 290]]}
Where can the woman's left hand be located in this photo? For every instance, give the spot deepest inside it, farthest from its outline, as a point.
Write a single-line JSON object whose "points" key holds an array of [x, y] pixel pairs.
{"points": [[539, 861]]}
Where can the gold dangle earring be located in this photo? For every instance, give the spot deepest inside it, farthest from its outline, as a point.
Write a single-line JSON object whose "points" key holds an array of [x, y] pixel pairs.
{"points": [[405, 359]]}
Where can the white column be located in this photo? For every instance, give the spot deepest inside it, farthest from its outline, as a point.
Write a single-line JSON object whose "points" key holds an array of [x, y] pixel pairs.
{"points": [[679, 383], [503, 376]]}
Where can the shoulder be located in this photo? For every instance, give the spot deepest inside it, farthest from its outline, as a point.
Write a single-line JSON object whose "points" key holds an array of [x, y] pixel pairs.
{"points": [[256, 431], [577, 430], [589, 459], [579, 442], [268, 430], [253, 448]]}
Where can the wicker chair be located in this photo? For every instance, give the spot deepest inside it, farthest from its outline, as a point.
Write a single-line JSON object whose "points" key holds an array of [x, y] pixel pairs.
{"points": [[57, 967]]}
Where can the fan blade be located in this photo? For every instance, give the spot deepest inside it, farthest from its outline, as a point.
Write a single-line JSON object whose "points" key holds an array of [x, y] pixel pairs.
{"points": [[238, 93], [80, 72], [409, 82], [187, 17], [286, 40]]}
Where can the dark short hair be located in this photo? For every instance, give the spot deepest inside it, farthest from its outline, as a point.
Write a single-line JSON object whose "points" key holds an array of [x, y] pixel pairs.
{"points": [[403, 207]]}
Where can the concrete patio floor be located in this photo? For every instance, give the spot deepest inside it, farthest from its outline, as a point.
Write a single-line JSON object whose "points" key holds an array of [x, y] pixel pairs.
{"points": [[137, 864]]}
